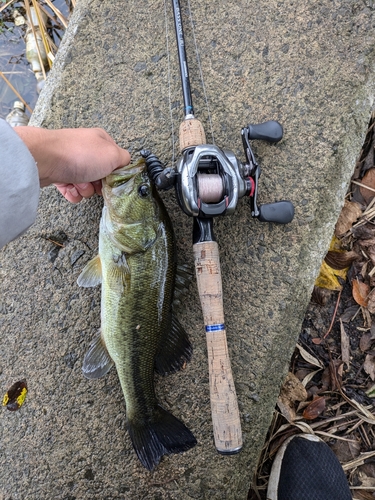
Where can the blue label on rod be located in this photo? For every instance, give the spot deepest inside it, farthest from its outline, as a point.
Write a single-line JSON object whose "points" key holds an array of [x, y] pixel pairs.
{"points": [[215, 328]]}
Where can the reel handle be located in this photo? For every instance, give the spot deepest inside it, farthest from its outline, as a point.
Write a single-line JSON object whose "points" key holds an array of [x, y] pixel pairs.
{"points": [[224, 406], [271, 131], [281, 212]]}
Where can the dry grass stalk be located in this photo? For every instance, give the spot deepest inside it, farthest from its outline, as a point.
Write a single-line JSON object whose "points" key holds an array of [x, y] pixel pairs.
{"points": [[15, 91], [51, 17], [42, 29], [363, 185], [359, 460], [28, 12], [58, 13], [6, 5]]}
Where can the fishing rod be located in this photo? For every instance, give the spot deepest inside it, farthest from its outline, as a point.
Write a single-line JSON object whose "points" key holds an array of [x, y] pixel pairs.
{"points": [[209, 182]]}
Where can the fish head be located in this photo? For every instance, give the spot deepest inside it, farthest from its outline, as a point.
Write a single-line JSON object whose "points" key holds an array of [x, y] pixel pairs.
{"points": [[131, 207]]}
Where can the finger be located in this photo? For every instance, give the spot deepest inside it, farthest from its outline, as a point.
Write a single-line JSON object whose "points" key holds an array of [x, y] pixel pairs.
{"points": [[98, 187], [69, 192], [120, 158], [86, 190], [72, 195], [125, 157]]}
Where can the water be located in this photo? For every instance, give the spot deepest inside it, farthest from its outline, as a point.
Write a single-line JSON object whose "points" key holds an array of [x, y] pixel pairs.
{"points": [[13, 62]]}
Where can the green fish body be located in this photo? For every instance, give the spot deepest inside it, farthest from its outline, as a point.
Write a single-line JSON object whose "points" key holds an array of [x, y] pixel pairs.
{"points": [[139, 334]]}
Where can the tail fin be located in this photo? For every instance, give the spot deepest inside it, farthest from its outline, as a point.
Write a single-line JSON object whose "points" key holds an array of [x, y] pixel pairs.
{"points": [[160, 435]]}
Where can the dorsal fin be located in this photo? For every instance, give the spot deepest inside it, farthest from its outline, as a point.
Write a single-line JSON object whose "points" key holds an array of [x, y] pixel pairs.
{"points": [[182, 282], [175, 350]]}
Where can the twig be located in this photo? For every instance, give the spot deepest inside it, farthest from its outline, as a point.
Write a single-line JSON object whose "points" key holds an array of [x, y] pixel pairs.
{"points": [[363, 185], [58, 13], [334, 436], [364, 436], [319, 341], [334, 315], [6, 5], [15, 91], [356, 462]]}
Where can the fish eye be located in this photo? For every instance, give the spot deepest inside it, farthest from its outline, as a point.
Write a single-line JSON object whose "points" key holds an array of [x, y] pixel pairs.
{"points": [[143, 191]]}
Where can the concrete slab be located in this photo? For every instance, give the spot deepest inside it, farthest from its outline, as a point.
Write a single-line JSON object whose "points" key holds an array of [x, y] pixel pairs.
{"points": [[309, 65]]}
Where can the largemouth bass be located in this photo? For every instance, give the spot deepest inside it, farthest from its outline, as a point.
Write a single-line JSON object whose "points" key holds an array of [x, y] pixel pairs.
{"points": [[136, 268]]}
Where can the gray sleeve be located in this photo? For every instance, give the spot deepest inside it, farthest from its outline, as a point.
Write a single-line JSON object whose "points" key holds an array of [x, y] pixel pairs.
{"points": [[19, 180]]}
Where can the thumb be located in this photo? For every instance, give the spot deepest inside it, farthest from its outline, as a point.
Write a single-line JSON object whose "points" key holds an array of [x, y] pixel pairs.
{"points": [[122, 158]]}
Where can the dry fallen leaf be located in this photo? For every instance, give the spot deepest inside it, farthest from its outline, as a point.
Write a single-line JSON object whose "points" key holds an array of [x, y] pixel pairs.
{"points": [[345, 345], [346, 450], [368, 469], [309, 357], [336, 368], [15, 396], [350, 212], [360, 292], [291, 391], [326, 379], [371, 302], [365, 232], [328, 277], [349, 313], [369, 246], [365, 341], [341, 259], [369, 366], [368, 180], [315, 408]]}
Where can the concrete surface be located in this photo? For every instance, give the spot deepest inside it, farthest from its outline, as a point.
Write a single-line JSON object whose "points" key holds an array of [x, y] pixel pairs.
{"points": [[309, 65]]}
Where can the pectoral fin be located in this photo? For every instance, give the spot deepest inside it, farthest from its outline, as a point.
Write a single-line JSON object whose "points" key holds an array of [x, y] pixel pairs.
{"points": [[97, 361], [91, 274], [118, 270], [175, 350]]}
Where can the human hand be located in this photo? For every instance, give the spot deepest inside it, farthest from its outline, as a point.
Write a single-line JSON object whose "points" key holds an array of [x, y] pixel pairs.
{"points": [[74, 160]]}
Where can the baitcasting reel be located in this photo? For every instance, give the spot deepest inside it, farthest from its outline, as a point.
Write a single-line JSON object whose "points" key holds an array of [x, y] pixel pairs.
{"points": [[209, 181]]}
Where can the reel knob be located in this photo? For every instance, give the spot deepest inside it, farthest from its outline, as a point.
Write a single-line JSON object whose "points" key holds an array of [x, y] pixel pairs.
{"points": [[271, 131], [281, 212]]}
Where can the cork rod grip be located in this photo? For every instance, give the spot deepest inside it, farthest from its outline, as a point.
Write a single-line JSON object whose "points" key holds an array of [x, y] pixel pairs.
{"points": [[191, 133], [224, 406]]}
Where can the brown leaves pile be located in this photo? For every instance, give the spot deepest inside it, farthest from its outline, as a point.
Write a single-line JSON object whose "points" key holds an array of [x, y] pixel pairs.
{"points": [[330, 390], [352, 252], [315, 400]]}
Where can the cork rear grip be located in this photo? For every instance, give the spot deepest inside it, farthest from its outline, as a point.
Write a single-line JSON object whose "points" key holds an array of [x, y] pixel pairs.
{"points": [[224, 405], [191, 133]]}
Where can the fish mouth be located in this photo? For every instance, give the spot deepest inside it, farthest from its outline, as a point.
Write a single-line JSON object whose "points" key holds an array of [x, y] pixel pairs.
{"points": [[123, 174], [121, 181]]}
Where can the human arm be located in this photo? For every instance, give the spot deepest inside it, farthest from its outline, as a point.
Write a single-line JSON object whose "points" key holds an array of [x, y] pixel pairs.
{"points": [[19, 185], [75, 160]]}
